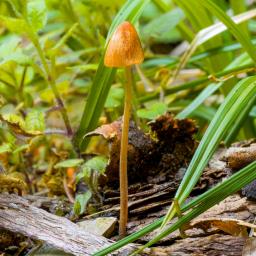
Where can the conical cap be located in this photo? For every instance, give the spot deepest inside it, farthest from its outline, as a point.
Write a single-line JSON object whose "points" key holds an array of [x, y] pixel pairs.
{"points": [[124, 48]]}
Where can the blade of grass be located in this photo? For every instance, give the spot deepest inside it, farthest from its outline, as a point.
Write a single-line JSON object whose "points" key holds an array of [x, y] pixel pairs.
{"points": [[104, 77], [206, 34], [239, 7], [228, 186], [162, 5], [237, 33], [200, 19], [233, 132], [239, 98], [171, 62], [210, 89], [249, 128], [193, 84], [202, 112]]}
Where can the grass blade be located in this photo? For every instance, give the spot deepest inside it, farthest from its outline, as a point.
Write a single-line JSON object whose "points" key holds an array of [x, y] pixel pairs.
{"points": [[210, 89], [206, 34], [237, 33], [239, 7], [194, 83], [232, 133]]}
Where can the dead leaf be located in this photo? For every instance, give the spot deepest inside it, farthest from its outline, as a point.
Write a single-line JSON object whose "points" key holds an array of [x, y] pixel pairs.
{"points": [[108, 131], [230, 226], [18, 128]]}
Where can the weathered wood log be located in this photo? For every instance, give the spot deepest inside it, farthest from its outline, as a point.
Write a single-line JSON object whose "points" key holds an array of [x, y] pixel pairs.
{"points": [[213, 245], [17, 215]]}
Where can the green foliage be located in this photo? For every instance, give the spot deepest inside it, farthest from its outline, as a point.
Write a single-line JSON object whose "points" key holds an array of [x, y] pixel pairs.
{"points": [[10, 51], [69, 163], [34, 121], [36, 14], [211, 88], [253, 112], [239, 34], [155, 110], [89, 173], [242, 95], [81, 202], [5, 148], [114, 98], [15, 25], [161, 29], [95, 165]]}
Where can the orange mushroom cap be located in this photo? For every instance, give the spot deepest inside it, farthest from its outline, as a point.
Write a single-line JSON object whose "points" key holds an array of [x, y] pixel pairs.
{"points": [[124, 48]]}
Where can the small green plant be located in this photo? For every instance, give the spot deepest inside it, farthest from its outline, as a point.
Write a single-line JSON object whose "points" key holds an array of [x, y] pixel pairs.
{"points": [[89, 173]]}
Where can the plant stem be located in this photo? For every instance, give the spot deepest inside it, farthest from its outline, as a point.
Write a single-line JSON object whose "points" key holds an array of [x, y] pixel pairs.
{"points": [[22, 82], [51, 82], [123, 155]]}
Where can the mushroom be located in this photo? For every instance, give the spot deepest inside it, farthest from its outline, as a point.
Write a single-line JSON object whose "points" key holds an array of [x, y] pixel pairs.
{"points": [[124, 50]]}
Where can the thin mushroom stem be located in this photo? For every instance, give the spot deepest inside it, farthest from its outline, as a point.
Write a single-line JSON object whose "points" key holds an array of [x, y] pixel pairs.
{"points": [[124, 50], [123, 154]]}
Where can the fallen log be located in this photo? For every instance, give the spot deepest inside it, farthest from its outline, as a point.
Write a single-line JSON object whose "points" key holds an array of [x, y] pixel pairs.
{"points": [[19, 216]]}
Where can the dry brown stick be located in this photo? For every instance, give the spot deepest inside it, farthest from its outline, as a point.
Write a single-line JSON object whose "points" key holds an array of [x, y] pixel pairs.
{"points": [[17, 215]]}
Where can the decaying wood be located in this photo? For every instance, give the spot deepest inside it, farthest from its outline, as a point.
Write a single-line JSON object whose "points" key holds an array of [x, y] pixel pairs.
{"points": [[238, 157], [213, 245], [17, 215], [233, 207]]}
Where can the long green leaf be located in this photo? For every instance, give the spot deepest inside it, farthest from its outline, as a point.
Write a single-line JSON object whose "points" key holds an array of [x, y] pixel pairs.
{"points": [[234, 29], [200, 20], [104, 77], [194, 83], [236, 127], [204, 35], [211, 88], [229, 111], [239, 7], [173, 61]]}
